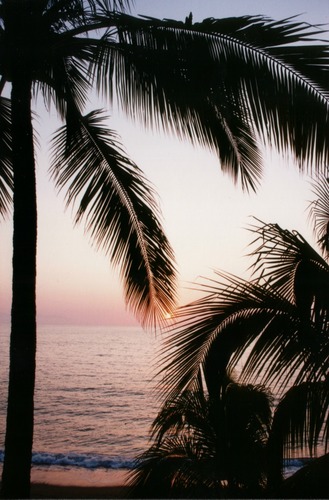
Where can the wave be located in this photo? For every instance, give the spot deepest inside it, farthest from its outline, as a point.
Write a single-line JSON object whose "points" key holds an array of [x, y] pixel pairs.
{"points": [[94, 461], [86, 461]]}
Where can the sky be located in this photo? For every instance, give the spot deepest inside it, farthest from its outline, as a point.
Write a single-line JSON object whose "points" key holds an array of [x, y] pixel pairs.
{"points": [[205, 215]]}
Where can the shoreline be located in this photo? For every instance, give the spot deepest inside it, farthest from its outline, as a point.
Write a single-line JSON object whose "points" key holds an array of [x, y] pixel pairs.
{"points": [[50, 482], [52, 491]]}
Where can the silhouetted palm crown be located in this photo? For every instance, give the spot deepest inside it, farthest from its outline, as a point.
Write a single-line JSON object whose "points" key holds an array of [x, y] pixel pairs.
{"points": [[219, 82], [273, 329], [49, 43], [223, 83], [207, 447]]}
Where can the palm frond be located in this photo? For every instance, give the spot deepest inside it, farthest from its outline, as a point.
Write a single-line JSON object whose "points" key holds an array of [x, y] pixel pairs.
{"points": [[176, 467], [240, 323], [301, 419], [65, 77], [6, 168], [289, 264], [319, 212], [159, 63], [78, 13], [186, 413], [119, 209], [225, 322], [153, 68], [66, 51]]}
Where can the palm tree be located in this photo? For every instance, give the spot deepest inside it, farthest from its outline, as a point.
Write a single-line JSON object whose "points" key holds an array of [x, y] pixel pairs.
{"points": [[119, 206], [207, 447], [274, 328], [61, 50]]}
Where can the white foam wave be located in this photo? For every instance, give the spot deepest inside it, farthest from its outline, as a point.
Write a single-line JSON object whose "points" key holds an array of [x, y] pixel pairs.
{"points": [[94, 461], [87, 461]]}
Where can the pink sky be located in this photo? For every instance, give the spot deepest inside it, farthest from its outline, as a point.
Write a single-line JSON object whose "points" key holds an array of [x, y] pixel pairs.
{"points": [[204, 213]]}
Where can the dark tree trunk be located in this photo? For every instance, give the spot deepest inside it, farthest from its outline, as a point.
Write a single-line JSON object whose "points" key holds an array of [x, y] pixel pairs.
{"points": [[19, 430]]}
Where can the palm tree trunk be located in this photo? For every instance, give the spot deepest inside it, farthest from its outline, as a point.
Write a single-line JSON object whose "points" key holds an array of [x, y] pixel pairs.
{"points": [[19, 430]]}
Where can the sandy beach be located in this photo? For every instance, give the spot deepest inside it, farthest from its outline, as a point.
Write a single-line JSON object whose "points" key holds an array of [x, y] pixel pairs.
{"points": [[78, 483], [43, 490]]}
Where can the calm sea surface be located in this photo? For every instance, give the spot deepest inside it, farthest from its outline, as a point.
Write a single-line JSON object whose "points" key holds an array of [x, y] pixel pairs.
{"points": [[94, 399]]}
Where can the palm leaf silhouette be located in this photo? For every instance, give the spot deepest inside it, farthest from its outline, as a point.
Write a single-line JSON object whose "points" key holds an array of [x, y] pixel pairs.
{"points": [[6, 173], [120, 209], [319, 212]]}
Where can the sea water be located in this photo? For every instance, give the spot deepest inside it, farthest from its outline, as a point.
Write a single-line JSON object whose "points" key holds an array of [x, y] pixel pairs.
{"points": [[94, 397], [95, 400]]}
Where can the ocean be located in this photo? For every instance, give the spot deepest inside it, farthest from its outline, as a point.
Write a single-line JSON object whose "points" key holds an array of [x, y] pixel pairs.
{"points": [[95, 400]]}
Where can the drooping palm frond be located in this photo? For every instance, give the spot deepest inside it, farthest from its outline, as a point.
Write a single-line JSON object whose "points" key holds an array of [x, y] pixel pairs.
{"points": [[158, 72], [301, 419], [119, 208], [319, 212], [153, 68], [159, 63], [6, 168]]}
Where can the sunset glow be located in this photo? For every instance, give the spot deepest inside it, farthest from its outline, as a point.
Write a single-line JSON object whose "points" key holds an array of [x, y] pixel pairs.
{"points": [[164, 248], [204, 213]]}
